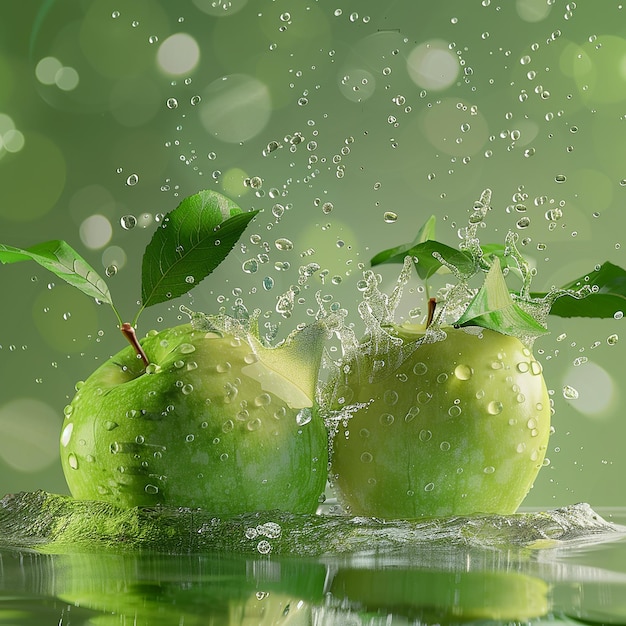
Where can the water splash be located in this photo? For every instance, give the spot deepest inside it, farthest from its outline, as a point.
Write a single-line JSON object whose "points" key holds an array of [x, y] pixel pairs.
{"points": [[55, 524]]}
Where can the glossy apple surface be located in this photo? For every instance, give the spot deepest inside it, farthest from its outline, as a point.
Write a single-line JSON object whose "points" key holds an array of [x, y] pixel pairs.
{"points": [[215, 421], [451, 427]]}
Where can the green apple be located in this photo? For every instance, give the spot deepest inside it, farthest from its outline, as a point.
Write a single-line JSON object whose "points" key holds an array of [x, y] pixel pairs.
{"points": [[446, 427], [201, 415], [216, 420], [431, 596]]}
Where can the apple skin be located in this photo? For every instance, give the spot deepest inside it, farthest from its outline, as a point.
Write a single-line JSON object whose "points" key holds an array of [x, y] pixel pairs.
{"points": [[211, 423], [457, 427]]}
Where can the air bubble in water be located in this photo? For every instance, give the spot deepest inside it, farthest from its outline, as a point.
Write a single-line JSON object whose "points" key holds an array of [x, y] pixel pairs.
{"points": [[132, 180], [171, 103]]}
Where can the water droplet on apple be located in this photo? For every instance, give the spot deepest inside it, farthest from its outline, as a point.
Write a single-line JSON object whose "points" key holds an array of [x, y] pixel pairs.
{"points": [[187, 389], [419, 369], [224, 456], [67, 434], [454, 411], [227, 426], [67, 411], [429, 486], [523, 367], [444, 446], [186, 348], [263, 399], [423, 397], [390, 397], [108, 425], [189, 438], [490, 469], [521, 447], [140, 439], [151, 489], [304, 416], [386, 419], [411, 414], [463, 372], [442, 378], [495, 407], [254, 424], [222, 368], [366, 457], [425, 435], [535, 368]]}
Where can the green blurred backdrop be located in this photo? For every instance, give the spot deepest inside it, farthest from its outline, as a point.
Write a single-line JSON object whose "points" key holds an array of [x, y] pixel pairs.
{"points": [[361, 119]]}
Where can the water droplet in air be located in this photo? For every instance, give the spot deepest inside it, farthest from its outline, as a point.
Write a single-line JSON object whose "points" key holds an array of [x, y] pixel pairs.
{"points": [[128, 222], [171, 103], [132, 180], [569, 393], [390, 217], [283, 244], [612, 339]]}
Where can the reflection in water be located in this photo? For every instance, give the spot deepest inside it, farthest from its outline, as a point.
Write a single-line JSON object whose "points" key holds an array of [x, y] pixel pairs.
{"points": [[168, 566]]}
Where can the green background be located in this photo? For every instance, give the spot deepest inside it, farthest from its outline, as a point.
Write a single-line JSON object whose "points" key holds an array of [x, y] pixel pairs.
{"points": [[390, 111]]}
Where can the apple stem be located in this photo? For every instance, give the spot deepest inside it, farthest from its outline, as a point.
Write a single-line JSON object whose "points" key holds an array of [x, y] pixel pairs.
{"points": [[432, 305], [129, 332]]}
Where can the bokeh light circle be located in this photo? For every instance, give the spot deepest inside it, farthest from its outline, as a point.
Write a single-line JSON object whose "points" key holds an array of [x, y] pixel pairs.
{"points": [[178, 54], [597, 392], [23, 201], [432, 65], [235, 108], [533, 10], [96, 231], [29, 430]]}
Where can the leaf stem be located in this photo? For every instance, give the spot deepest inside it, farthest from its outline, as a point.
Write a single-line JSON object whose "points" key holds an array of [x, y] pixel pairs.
{"points": [[129, 332], [432, 305]]}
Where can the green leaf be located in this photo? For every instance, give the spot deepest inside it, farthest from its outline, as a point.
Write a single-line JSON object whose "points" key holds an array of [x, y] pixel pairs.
{"points": [[426, 263], [191, 242], [492, 307], [397, 254], [61, 259], [607, 294]]}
